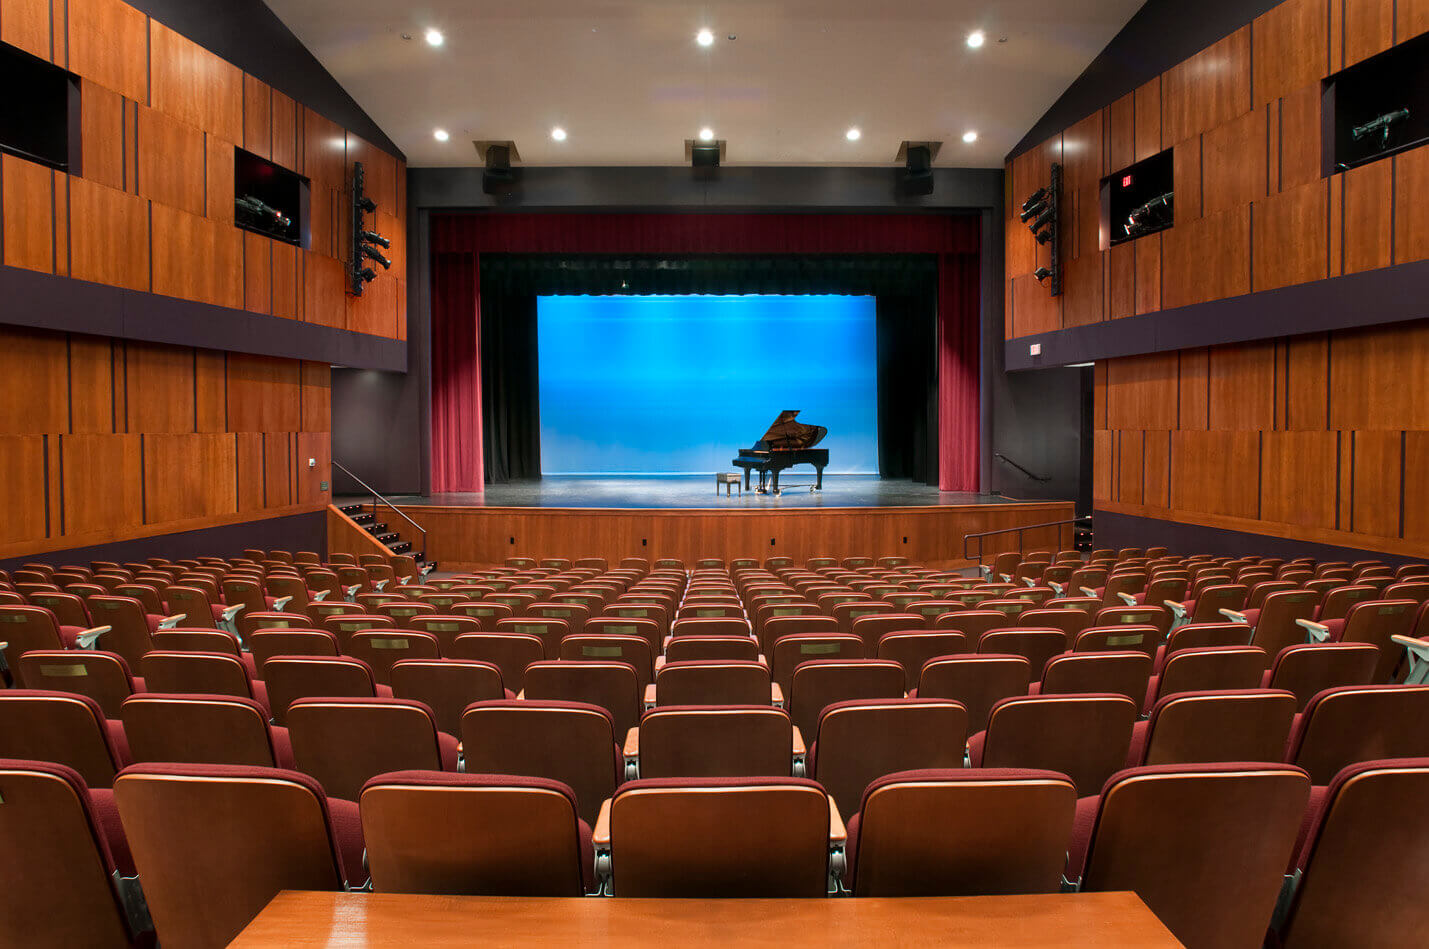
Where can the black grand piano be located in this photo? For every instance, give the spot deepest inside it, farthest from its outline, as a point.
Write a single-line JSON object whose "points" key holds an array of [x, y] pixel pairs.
{"points": [[786, 443]]}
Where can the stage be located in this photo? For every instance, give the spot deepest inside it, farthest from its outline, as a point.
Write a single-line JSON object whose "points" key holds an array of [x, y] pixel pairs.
{"points": [[680, 516], [697, 491]]}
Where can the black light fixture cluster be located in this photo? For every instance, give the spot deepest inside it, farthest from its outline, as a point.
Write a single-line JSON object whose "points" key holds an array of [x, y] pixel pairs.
{"points": [[364, 242], [1040, 214]]}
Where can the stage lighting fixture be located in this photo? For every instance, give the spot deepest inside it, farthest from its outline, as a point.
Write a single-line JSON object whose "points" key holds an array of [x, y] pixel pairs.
{"points": [[1041, 273], [1043, 219], [1041, 209], [1034, 206], [1037, 195], [363, 240], [378, 239]]}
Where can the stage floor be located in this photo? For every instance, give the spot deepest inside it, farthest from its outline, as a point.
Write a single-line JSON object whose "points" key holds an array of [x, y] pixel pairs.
{"points": [[697, 491]]}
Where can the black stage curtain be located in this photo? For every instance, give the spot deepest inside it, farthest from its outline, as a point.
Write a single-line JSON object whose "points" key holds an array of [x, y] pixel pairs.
{"points": [[905, 285]]}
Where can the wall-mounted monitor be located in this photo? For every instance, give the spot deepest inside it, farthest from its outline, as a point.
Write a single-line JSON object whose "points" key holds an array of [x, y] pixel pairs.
{"points": [[269, 199], [1139, 200], [39, 121]]}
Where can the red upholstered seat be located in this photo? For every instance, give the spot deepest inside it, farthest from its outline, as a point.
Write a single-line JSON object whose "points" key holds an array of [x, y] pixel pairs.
{"points": [[343, 742], [63, 728]]}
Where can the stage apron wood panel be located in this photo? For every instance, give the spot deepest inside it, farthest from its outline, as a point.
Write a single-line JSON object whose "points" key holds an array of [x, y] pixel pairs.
{"points": [[466, 537]]}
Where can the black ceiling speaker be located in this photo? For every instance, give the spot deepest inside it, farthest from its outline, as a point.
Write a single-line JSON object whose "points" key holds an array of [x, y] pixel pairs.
{"points": [[705, 156], [918, 170], [497, 177]]}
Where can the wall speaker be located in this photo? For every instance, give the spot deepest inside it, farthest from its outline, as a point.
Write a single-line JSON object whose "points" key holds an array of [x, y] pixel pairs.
{"points": [[918, 170], [704, 156], [497, 177]]}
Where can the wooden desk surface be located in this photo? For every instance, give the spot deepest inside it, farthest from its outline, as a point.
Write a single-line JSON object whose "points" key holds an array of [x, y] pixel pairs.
{"points": [[1068, 920]]}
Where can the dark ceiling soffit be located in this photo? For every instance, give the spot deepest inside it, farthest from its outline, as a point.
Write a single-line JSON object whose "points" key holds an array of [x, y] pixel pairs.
{"points": [[1371, 298], [63, 304]]}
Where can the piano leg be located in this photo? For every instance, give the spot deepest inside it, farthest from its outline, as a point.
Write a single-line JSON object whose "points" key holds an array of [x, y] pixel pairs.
{"points": [[776, 480], [819, 478], [746, 478]]}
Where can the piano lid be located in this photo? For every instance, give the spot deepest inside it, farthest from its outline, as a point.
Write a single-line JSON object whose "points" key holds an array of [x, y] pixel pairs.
{"points": [[786, 434]]}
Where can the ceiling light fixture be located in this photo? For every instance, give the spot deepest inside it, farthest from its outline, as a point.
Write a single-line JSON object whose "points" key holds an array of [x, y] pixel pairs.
{"points": [[976, 38], [853, 135], [558, 133], [970, 136], [435, 38], [704, 38], [706, 134], [440, 135]]}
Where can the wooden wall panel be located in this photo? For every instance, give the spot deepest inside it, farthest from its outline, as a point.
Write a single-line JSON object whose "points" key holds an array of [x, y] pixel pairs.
{"points": [[1157, 469], [1193, 396], [1121, 133], [1034, 310], [1298, 478], [1187, 161], [324, 302], [29, 235], [101, 482], [1379, 379], [1148, 119], [171, 161], [33, 382], [26, 24], [1377, 474], [1368, 196], [108, 44], [257, 273], [1131, 471], [1141, 392], [314, 482], [210, 390], [257, 117], [1208, 259], [197, 258], [1148, 273], [1298, 157], [278, 469], [24, 485], [1411, 203], [1307, 382], [1082, 282], [1291, 231], [1368, 28], [1216, 473], [91, 385], [1081, 144], [102, 136], [285, 131], [248, 465], [218, 172], [263, 394], [193, 85], [1120, 295], [160, 382], [1411, 19], [1242, 386], [1291, 48], [1208, 89], [287, 288], [1233, 163], [1416, 486], [109, 235], [316, 397], [189, 476]]}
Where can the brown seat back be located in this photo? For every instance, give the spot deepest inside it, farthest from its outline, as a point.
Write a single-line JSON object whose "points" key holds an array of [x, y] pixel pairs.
{"points": [[1212, 668], [26, 628], [862, 740], [1374, 622], [712, 682], [634, 650], [447, 686], [194, 603], [198, 729], [570, 742], [1365, 875], [822, 682], [261, 830], [978, 682], [1200, 727], [380, 648], [55, 875], [129, 633], [103, 676], [491, 835], [197, 640], [59, 727], [1139, 636], [343, 625], [773, 841], [1204, 846], [871, 626], [264, 644], [1275, 627], [962, 833], [345, 742], [1203, 636], [290, 678], [1121, 673], [549, 631], [509, 652], [1307, 669], [913, 648], [1036, 645], [686, 648], [1085, 737], [789, 652], [1348, 725], [613, 686], [715, 741], [195, 673], [446, 628]]}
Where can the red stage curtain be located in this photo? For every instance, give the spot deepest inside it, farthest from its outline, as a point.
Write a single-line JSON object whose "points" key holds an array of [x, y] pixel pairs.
{"points": [[459, 239], [456, 373]]}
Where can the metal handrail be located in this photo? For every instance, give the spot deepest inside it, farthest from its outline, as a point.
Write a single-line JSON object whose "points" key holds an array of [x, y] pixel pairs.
{"points": [[1019, 531], [1034, 477], [378, 497]]}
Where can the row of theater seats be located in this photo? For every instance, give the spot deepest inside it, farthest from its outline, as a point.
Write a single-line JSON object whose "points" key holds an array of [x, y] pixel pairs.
{"points": [[366, 735]]}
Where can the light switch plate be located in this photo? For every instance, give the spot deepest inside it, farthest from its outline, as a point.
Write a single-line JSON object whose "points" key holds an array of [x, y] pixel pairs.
{"points": [[1035, 349]]}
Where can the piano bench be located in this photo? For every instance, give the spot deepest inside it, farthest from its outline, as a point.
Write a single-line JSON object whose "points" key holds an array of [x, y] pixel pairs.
{"points": [[727, 478]]}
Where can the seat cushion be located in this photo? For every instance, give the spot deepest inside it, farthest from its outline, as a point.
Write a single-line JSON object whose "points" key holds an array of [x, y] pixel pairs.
{"points": [[260, 694], [975, 744], [1137, 751], [1252, 616], [347, 832], [118, 741], [106, 819], [69, 636], [1152, 685], [447, 745], [249, 664], [1083, 822], [282, 748]]}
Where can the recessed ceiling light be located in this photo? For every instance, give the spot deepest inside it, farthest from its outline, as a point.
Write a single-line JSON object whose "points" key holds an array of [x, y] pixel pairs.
{"points": [[704, 38], [853, 135], [970, 136], [435, 38], [976, 38], [706, 134], [558, 133], [440, 135]]}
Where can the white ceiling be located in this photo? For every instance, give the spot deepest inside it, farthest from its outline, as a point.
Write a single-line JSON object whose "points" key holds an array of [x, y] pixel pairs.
{"points": [[628, 82]]}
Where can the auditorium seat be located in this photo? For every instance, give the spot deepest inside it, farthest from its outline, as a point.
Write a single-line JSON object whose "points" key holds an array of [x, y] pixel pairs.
{"points": [[343, 625], [180, 639], [957, 832], [913, 648], [819, 683], [571, 742], [68, 609], [1374, 622], [736, 648], [34, 627], [103, 676], [1351, 724], [1363, 872], [261, 830], [713, 682], [1212, 668], [201, 673], [775, 836], [380, 648], [633, 650], [1198, 727], [63, 728], [289, 678], [859, 740], [1307, 669], [614, 686], [200, 608], [788, 652], [714, 741], [264, 644], [978, 682], [1085, 737], [1121, 673], [59, 882], [487, 835], [203, 729], [1205, 846], [1201, 636], [445, 627], [1036, 645], [343, 742], [447, 686], [130, 625], [249, 623], [509, 652], [549, 631], [1140, 637]]}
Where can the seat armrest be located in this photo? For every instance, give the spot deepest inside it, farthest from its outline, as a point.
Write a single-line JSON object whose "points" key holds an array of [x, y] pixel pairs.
{"points": [[838, 834], [521, 695], [1235, 616], [1127, 598], [231, 611], [1315, 632], [281, 602], [1177, 610], [405, 580], [89, 637], [1088, 591], [601, 835], [631, 753], [1416, 647], [169, 622], [378, 585], [427, 568], [762, 661], [985, 570], [776, 695], [319, 596], [649, 696], [838, 842], [1029, 581], [1056, 587], [800, 755], [659, 663], [350, 593]]}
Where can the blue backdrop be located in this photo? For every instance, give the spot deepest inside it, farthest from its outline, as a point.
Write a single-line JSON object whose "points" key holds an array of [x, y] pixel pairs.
{"points": [[678, 384]]}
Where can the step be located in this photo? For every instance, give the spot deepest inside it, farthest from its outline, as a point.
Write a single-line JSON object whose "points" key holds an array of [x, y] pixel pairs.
{"points": [[399, 547], [375, 528], [389, 537], [350, 508]]}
